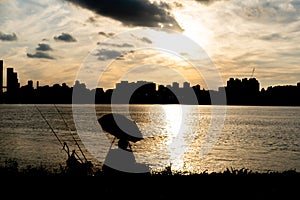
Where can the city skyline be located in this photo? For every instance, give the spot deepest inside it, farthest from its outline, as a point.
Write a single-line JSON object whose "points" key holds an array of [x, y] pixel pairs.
{"points": [[50, 40], [13, 80], [236, 92]]}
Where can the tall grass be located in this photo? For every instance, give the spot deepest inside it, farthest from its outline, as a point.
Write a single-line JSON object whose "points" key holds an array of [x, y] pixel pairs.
{"points": [[11, 168]]}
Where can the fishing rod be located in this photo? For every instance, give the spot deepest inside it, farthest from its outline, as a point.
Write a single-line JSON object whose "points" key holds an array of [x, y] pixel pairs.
{"points": [[63, 145], [71, 133]]}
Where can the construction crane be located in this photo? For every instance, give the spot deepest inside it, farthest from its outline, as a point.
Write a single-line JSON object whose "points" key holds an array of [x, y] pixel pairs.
{"points": [[252, 72]]}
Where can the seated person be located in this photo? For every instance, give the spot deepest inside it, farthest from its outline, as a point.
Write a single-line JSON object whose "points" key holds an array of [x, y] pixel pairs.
{"points": [[122, 160]]}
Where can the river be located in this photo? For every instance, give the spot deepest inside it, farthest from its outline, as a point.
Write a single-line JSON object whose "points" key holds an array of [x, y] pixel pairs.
{"points": [[190, 138]]}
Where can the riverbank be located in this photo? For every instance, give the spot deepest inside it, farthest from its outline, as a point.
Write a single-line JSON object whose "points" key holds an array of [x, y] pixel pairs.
{"points": [[11, 168], [165, 184]]}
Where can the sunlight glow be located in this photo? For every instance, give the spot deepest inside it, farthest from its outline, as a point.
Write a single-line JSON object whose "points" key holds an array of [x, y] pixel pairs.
{"points": [[193, 29], [152, 65], [175, 118]]}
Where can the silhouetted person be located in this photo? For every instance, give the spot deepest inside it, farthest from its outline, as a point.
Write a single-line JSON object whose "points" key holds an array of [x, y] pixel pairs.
{"points": [[121, 161], [75, 167], [124, 144]]}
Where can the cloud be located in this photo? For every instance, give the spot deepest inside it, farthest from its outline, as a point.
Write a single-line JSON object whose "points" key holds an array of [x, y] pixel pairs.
{"points": [[44, 47], [273, 36], [39, 52], [124, 45], [133, 12], [105, 54], [269, 12], [146, 40], [208, 2], [39, 55], [106, 34], [66, 37], [8, 37], [91, 20], [143, 39], [178, 5]]}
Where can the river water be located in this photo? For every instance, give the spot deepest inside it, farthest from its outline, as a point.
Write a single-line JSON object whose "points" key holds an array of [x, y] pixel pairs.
{"points": [[190, 138]]}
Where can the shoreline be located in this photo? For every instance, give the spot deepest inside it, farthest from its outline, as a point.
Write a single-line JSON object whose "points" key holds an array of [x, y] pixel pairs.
{"points": [[165, 184], [11, 168], [236, 184]]}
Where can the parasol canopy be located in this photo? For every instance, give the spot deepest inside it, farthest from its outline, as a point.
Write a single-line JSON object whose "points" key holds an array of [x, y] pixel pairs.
{"points": [[120, 126]]}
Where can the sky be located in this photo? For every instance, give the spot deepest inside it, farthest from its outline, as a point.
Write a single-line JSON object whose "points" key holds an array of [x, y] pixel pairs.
{"points": [[51, 41]]}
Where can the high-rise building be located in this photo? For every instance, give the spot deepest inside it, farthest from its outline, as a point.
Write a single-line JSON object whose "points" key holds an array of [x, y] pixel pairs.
{"points": [[1, 77], [175, 85], [30, 84], [12, 84], [1, 81], [186, 85]]}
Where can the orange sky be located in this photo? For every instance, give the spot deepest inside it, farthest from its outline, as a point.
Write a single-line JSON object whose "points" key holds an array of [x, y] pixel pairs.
{"points": [[50, 41]]}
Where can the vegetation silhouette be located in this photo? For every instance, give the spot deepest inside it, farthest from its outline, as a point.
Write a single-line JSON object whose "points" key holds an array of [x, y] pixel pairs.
{"points": [[164, 184]]}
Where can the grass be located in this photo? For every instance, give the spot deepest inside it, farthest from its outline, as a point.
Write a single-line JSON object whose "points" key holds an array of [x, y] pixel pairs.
{"points": [[11, 168], [164, 184]]}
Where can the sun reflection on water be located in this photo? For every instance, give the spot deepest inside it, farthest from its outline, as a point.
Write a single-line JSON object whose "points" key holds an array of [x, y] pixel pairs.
{"points": [[173, 119], [176, 119]]}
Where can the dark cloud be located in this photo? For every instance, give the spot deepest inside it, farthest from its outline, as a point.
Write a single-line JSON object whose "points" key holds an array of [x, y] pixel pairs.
{"points": [[124, 45], [106, 34], [106, 54], [91, 20], [65, 37], [44, 47], [8, 37], [102, 33], [143, 39], [178, 5], [147, 40], [208, 2], [204, 1], [132, 12], [274, 36], [39, 55]]}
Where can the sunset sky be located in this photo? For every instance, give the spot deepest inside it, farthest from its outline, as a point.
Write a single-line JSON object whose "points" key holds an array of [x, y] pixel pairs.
{"points": [[49, 40]]}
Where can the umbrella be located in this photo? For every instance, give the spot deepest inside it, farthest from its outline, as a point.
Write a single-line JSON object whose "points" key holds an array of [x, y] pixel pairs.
{"points": [[121, 127]]}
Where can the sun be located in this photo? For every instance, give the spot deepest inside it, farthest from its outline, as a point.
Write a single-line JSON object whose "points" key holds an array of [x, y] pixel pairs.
{"points": [[193, 26]]}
